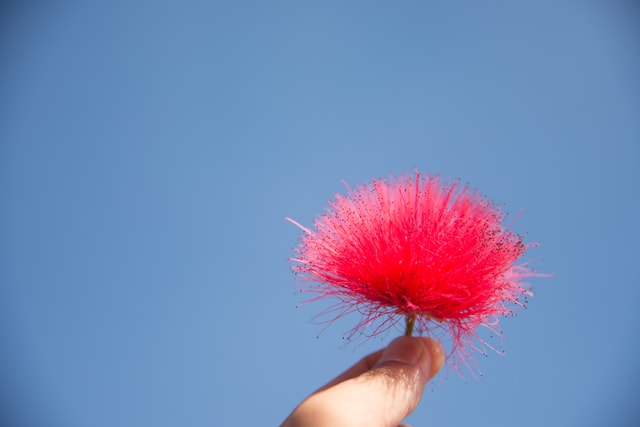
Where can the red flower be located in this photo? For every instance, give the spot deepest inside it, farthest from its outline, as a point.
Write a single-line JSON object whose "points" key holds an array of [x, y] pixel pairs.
{"points": [[413, 247]]}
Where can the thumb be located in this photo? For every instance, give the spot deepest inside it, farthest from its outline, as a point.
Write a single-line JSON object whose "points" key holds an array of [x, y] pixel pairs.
{"points": [[397, 381], [381, 396]]}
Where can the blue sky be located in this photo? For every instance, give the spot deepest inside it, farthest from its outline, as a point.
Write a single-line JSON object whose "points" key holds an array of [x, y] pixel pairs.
{"points": [[149, 152]]}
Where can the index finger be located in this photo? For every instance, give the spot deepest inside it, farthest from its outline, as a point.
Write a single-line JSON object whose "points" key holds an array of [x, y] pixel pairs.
{"points": [[363, 365]]}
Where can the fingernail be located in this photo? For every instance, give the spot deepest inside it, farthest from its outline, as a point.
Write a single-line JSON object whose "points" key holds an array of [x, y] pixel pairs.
{"points": [[404, 350], [426, 352]]}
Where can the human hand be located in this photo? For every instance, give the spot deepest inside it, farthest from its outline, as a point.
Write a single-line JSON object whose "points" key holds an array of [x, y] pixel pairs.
{"points": [[379, 391]]}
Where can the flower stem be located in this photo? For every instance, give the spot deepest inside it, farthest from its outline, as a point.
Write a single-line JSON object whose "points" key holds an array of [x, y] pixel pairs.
{"points": [[411, 320]]}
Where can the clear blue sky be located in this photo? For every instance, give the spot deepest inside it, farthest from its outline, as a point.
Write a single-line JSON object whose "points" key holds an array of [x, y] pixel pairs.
{"points": [[150, 151]]}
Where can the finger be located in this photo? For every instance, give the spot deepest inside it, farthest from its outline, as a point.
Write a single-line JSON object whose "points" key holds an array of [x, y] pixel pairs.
{"points": [[365, 364]]}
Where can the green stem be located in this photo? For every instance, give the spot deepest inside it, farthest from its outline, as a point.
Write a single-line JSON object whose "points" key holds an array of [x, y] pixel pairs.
{"points": [[411, 320]]}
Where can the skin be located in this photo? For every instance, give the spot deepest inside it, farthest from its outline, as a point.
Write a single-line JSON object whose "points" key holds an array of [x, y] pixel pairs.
{"points": [[380, 390]]}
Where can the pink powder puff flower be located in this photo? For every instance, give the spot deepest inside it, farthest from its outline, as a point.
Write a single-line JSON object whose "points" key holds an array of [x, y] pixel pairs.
{"points": [[412, 247]]}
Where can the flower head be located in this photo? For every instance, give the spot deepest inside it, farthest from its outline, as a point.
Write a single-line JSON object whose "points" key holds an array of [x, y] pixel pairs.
{"points": [[413, 247]]}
